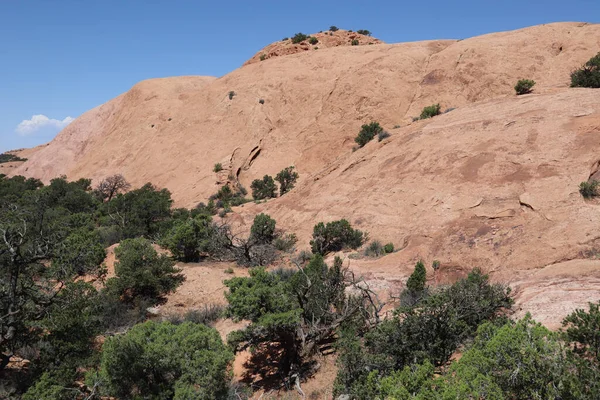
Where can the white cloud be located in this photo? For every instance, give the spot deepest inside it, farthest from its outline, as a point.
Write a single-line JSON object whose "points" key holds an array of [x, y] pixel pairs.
{"points": [[37, 122]]}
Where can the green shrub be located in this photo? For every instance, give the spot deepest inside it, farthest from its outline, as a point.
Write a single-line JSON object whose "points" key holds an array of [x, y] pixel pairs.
{"points": [[417, 280], [382, 135], [388, 248], [263, 188], [218, 167], [589, 189], [263, 57], [333, 28], [313, 40], [524, 86], [364, 32], [159, 360], [263, 229], [141, 273], [231, 94], [287, 178], [335, 236], [261, 101], [435, 265], [229, 270], [367, 133], [430, 111], [299, 37], [355, 42], [187, 239], [588, 75], [285, 38]]}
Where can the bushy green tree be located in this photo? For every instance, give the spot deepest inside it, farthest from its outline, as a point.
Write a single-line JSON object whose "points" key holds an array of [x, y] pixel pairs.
{"points": [[367, 133], [335, 236], [139, 212], [588, 75], [142, 274], [263, 229], [589, 189], [263, 188], [188, 238], [294, 313], [159, 360], [417, 280], [287, 178]]}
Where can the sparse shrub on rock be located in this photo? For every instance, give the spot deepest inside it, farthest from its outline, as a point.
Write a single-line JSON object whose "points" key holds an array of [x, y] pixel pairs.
{"points": [[367, 133], [263, 57], [364, 32], [218, 167], [589, 189], [382, 135], [588, 75], [355, 42], [524, 86], [374, 249], [287, 179], [263, 188], [333, 28], [430, 111], [388, 248], [231, 94], [313, 40], [299, 37]]}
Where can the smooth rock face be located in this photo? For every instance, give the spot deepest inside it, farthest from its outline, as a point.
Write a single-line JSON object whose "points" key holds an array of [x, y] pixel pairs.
{"points": [[492, 184]]}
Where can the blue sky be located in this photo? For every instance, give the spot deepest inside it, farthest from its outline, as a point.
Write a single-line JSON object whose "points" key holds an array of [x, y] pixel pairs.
{"points": [[60, 58]]}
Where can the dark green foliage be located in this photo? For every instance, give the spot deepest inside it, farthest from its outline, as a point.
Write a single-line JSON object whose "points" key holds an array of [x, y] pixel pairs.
{"points": [[218, 167], [335, 236], [355, 42], [588, 75], [430, 111], [7, 157], [285, 38], [388, 248], [165, 361], [231, 94], [382, 135], [589, 189], [293, 312], [261, 101], [367, 133], [431, 331], [263, 188], [524, 86], [227, 198], [299, 37], [364, 32], [287, 178], [334, 28], [263, 57], [583, 331], [190, 238], [142, 274], [140, 212], [313, 40], [417, 280], [263, 229]]}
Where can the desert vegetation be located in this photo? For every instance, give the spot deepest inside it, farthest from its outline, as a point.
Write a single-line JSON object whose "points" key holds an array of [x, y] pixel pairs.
{"points": [[430, 111], [299, 37], [368, 132], [588, 75], [7, 157], [524, 86]]}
